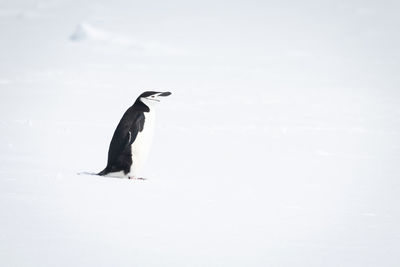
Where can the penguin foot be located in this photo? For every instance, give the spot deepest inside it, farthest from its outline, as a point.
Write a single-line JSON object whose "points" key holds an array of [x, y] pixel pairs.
{"points": [[134, 178]]}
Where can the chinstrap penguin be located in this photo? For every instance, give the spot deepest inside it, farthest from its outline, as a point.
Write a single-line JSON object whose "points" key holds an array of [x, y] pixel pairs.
{"points": [[130, 144]]}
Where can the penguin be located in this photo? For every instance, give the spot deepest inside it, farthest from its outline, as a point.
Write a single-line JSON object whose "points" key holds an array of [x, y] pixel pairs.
{"points": [[130, 144]]}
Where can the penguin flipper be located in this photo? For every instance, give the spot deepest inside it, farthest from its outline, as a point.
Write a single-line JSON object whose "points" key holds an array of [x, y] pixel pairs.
{"points": [[124, 136]]}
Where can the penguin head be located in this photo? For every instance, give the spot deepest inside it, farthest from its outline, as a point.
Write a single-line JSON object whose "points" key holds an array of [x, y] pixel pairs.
{"points": [[151, 98]]}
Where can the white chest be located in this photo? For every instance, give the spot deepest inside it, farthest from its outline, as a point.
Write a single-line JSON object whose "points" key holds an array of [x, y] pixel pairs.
{"points": [[142, 144]]}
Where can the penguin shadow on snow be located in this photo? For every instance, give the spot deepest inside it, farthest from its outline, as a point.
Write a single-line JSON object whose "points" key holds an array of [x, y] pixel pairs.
{"points": [[109, 176]]}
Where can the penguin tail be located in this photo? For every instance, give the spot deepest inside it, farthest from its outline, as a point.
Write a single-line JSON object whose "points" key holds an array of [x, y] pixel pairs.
{"points": [[103, 172]]}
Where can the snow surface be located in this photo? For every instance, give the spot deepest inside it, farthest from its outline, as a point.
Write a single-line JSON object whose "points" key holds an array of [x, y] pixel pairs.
{"points": [[280, 145]]}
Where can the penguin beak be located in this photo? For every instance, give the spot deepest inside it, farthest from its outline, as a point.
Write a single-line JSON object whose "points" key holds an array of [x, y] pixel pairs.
{"points": [[165, 94]]}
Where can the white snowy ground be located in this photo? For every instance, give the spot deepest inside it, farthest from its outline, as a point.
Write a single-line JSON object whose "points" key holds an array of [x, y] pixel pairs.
{"points": [[280, 145]]}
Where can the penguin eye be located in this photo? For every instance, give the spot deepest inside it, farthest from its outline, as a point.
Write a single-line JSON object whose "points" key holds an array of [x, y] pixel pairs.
{"points": [[152, 96]]}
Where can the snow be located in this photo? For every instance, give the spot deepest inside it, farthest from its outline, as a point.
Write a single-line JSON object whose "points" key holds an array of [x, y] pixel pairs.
{"points": [[278, 147]]}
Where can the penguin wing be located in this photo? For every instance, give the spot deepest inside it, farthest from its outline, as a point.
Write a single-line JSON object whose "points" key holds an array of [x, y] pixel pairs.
{"points": [[136, 127], [125, 134]]}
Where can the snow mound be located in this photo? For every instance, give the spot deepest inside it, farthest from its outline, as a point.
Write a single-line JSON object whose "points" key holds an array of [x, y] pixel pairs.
{"points": [[85, 31]]}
